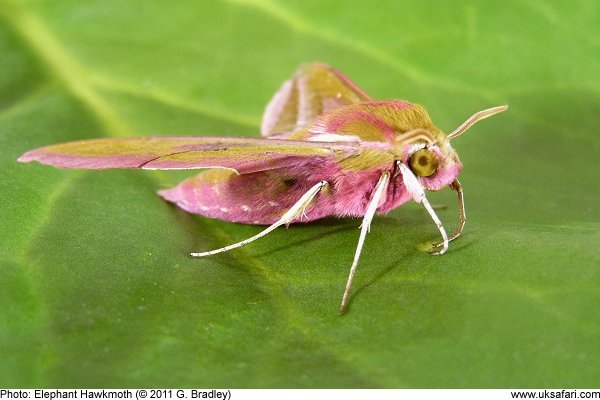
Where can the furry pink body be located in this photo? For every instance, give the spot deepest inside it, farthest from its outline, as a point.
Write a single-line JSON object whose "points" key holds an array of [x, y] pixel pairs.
{"points": [[258, 198]]}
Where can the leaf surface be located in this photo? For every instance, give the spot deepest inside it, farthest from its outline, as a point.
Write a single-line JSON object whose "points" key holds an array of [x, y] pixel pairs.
{"points": [[95, 286]]}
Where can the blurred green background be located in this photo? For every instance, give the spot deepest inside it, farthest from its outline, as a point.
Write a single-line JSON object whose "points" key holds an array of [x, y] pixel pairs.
{"points": [[95, 285]]}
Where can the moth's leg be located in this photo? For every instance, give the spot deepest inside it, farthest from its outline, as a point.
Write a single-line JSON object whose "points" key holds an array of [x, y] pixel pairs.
{"points": [[296, 210], [461, 212], [416, 190], [378, 194]]}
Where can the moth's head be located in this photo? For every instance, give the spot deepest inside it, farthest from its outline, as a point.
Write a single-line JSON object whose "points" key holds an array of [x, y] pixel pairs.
{"points": [[431, 157], [435, 165]]}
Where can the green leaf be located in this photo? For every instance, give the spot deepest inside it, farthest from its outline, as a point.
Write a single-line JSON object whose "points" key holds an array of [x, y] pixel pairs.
{"points": [[95, 286]]}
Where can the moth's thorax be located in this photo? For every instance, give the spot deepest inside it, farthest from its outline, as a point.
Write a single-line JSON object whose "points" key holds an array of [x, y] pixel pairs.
{"points": [[447, 171], [372, 120], [396, 128]]}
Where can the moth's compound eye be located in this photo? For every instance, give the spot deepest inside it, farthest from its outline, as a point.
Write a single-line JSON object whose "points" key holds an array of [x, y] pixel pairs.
{"points": [[423, 162]]}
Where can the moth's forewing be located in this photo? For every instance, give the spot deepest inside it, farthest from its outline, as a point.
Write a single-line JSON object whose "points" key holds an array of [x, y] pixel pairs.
{"points": [[313, 89], [241, 154]]}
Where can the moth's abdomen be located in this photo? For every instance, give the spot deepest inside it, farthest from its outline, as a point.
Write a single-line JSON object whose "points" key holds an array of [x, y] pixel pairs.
{"points": [[259, 198], [263, 197]]}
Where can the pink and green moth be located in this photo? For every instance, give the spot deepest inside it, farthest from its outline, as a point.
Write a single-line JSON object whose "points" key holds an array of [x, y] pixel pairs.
{"points": [[327, 149]]}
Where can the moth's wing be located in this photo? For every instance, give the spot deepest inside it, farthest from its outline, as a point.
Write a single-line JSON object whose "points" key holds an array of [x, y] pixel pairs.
{"points": [[313, 89], [243, 155]]}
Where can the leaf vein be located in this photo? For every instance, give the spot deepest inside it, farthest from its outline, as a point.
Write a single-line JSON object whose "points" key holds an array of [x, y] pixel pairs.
{"points": [[65, 68]]}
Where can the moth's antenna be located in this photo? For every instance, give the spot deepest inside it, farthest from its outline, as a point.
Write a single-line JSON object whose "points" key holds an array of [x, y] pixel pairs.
{"points": [[476, 117]]}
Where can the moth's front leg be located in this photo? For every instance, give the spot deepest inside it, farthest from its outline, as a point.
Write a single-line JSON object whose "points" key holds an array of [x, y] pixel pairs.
{"points": [[417, 192], [461, 212]]}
